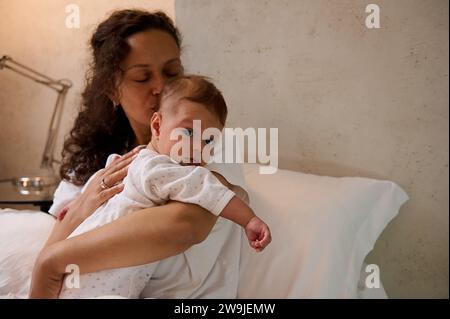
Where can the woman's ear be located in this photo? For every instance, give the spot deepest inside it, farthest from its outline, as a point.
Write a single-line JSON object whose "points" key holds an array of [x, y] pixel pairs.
{"points": [[114, 100], [155, 124], [114, 95]]}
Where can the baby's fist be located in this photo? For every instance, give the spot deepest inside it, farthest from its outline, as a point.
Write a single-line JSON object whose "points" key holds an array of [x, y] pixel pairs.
{"points": [[258, 234]]}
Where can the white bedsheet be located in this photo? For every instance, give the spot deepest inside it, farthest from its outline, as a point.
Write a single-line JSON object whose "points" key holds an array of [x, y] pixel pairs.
{"points": [[22, 234], [293, 203]]}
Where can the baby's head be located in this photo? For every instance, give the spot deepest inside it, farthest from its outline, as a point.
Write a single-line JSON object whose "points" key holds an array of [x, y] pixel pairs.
{"points": [[183, 100]]}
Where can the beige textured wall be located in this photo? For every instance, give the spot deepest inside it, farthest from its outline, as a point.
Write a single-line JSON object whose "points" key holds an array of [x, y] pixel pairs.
{"points": [[33, 32], [347, 101]]}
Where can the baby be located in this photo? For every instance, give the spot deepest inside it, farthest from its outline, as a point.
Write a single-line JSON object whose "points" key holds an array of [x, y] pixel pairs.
{"points": [[159, 174]]}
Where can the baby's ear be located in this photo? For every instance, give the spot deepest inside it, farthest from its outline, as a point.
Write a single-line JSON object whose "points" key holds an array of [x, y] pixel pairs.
{"points": [[155, 124]]}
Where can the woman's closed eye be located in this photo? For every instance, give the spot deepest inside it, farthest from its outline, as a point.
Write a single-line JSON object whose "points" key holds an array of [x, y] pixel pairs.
{"points": [[173, 69], [148, 77], [142, 81], [142, 78], [172, 74]]}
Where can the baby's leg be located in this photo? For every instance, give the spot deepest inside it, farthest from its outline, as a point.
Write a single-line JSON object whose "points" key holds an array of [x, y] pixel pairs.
{"points": [[125, 282]]}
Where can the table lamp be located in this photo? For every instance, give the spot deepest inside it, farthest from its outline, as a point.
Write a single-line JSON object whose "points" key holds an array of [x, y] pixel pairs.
{"points": [[37, 184]]}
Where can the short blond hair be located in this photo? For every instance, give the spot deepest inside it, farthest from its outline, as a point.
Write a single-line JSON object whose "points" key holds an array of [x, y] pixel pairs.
{"points": [[198, 89]]}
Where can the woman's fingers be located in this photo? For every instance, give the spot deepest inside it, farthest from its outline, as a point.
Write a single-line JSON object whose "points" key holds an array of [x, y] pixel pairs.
{"points": [[110, 192], [116, 158], [134, 151], [107, 182], [119, 164], [119, 167], [105, 185], [116, 177]]}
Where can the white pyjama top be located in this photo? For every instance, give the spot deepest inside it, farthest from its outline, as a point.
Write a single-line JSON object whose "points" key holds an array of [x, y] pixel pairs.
{"points": [[152, 180]]}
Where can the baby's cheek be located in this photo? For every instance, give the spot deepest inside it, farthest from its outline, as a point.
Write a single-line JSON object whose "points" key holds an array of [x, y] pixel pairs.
{"points": [[167, 147], [173, 149]]}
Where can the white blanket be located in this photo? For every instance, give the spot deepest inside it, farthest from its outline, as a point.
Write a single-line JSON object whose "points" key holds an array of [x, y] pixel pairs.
{"points": [[22, 235], [323, 228]]}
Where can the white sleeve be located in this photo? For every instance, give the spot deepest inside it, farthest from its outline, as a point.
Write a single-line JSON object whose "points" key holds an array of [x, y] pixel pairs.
{"points": [[232, 172], [165, 179], [64, 194], [112, 157]]}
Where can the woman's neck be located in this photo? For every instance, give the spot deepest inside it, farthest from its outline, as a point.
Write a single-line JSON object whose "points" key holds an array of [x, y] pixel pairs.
{"points": [[142, 134]]}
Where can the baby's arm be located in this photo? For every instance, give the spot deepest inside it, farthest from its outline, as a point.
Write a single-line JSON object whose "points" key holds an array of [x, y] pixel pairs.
{"points": [[255, 228], [237, 211], [258, 233], [197, 185], [162, 179]]}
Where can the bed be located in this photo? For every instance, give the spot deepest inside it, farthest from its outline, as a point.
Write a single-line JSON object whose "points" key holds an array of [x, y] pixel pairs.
{"points": [[323, 228]]}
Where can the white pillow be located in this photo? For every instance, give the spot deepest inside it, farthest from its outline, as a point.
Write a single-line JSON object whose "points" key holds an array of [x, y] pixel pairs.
{"points": [[22, 235], [322, 228]]}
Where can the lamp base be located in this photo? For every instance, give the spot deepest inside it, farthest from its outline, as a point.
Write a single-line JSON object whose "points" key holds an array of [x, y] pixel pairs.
{"points": [[35, 185]]}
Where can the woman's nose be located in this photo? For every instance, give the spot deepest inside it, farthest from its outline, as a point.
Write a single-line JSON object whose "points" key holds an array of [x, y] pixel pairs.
{"points": [[157, 85]]}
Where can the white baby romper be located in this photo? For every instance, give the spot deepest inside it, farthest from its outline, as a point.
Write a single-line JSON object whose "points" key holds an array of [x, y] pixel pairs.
{"points": [[152, 180]]}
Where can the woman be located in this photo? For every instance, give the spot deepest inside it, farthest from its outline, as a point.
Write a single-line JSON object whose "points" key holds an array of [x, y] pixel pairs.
{"points": [[134, 53]]}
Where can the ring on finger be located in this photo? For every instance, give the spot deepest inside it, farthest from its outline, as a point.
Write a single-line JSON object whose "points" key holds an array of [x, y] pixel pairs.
{"points": [[103, 184]]}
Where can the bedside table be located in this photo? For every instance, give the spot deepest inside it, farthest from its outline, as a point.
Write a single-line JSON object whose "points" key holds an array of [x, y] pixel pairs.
{"points": [[10, 195]]}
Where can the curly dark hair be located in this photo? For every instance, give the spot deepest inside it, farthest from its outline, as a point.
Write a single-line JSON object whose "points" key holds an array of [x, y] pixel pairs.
{"points": [[100, 128]]}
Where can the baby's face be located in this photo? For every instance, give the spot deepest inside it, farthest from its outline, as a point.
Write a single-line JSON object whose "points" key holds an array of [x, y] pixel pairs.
{"points": [[181, 122]]}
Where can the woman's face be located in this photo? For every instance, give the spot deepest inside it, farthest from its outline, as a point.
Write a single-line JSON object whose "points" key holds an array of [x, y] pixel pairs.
{"points": [[154, 57]]}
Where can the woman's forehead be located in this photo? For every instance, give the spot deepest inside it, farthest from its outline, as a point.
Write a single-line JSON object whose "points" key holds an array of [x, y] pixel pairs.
{"points": [[141, 66], [151, 49]]}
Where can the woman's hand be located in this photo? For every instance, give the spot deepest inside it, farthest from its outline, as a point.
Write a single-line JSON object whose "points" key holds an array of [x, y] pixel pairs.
{"points": [[105, 184], [92, 197]]}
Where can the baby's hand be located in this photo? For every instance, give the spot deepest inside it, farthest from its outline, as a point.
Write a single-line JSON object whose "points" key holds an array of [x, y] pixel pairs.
{"points": [[258, 234]]}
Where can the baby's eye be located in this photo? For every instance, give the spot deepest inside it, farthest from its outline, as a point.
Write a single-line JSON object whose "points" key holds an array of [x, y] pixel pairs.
{"points": [[188, 132], [209, 141]]}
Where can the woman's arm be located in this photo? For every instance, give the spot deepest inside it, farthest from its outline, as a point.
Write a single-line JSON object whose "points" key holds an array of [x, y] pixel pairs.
{"points": [[79, 211], [142, 237]]}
